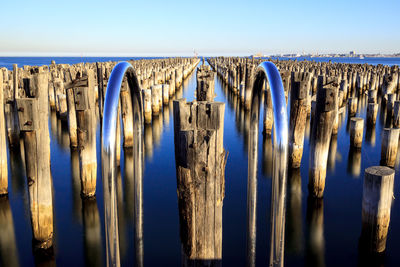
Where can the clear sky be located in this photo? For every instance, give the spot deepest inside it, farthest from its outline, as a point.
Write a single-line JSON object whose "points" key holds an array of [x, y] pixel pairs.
{"points": [[169, 28]]}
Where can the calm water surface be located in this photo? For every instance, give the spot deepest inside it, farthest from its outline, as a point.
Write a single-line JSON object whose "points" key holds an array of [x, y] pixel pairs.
{"points": [[323, 233]]}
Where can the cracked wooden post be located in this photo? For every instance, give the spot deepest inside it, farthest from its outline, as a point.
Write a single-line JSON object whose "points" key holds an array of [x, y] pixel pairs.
{"points": [[320, 137], [156, 99], [72, 124], [127, 114], [33, 119], [147, 105], [11, 115], [268, 121], [165, 94], [63, 107], [356, 132], [3, 144], [396, 114], [390, 140], [200, 168], [376, 205], [205, 84], [86, 122], [301, 83]]}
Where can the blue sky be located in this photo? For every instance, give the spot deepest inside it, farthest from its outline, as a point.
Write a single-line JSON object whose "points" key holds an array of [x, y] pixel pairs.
{"points": [[146, 28]]}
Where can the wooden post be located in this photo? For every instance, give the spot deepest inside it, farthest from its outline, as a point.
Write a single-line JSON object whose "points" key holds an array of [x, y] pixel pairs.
{"points": [[156, 100], [33, 119], [63, 108], [390, 140], [268, 114], [396, 114], [127, 114], [320, 137], [3, 144], [86, 122], [205, 84], [301, 83], [356, 132], [376, 205], [72, 124], [165, 93], [147, 105], [200, 162]]}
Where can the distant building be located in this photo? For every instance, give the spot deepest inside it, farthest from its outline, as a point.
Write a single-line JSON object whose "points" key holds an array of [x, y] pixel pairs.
{"points": [[352, 53]]}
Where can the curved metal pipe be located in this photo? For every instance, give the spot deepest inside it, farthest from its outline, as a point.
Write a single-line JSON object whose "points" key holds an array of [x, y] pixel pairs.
{"points": [[268, 71], [108, 150]]}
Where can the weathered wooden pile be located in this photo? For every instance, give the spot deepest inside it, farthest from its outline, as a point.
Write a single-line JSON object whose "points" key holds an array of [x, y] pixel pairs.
{"points": [[200, 171], [75, 93], [320, 91]]}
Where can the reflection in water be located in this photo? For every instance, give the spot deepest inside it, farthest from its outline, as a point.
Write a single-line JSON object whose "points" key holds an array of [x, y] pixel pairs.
{"points": [[76, 185], [315, 255], [294, 224], [157, 126], [332, 153], [17, 167], [121, 217], [252, 201], [45, 258], [92, 233], [267, 156], [148, 141], [370, 134], [134, 163], [8, 245], [63, 134], [354, 162]]}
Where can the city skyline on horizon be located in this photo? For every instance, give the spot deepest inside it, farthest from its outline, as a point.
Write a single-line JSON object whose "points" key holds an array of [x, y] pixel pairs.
{"points": [[234, 28]]}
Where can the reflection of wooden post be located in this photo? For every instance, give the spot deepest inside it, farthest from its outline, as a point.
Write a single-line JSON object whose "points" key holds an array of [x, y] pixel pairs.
{"points": [[301, 83], [33, 119], [294, 218], [200, 162], [354, 162], [356, 132], [92, 229], [8, 245], [372, 112], [316, 242], [3, 145], [320, 138], [376, 205], [390, 140], [353, 106]]}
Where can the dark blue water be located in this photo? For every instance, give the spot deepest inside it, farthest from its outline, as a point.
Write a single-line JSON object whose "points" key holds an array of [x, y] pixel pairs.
{"points": [[338, 222]]}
